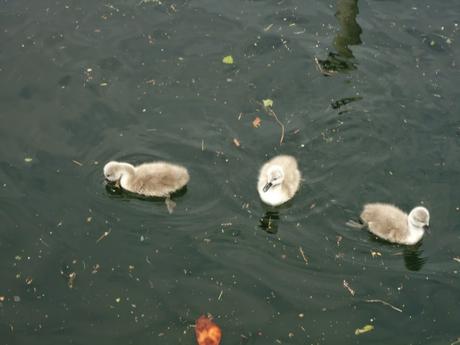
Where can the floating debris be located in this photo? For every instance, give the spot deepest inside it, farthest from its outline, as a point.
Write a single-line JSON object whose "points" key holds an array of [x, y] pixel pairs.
{"points": [[228, 60], [104, 235], [71, 279], [236, 142], [384, 303], [303, 255], [347, 286], [365, 329], [207, 332], [28, 159], [95, 269], [256, 122], [267, 28], [267, 102]]}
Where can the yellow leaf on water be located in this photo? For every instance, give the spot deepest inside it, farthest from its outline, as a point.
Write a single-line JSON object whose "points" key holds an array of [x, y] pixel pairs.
{"points": [[365, 329], [228, 60], [267, 102], [27, 159]]}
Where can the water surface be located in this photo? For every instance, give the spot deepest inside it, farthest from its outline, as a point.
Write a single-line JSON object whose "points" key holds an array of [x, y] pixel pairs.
{"points": [[375, 118]]}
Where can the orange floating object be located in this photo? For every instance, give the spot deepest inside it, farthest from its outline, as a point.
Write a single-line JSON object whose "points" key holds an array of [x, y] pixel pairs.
{"points": [[207, 332]]}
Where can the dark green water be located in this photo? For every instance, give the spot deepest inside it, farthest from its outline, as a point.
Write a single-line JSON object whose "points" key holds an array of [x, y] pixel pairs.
{"points": [[93, 81]]}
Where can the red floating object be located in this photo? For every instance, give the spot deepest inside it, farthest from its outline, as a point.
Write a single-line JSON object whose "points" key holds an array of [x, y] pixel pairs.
{"points": [[207, 332]]}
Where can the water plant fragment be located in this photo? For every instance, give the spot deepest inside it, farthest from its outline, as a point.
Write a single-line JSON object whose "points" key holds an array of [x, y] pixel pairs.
{"points": [[228, 60], [267, 102], [365, 329], [207, 332]]}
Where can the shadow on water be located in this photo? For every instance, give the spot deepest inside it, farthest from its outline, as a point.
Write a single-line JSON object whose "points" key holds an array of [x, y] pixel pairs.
{"points": [[349, 34]]}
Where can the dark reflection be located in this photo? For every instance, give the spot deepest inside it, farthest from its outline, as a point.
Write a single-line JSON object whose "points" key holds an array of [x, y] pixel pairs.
{"points": [[348, 35], [269, 222], [115, 191], [344, 101], [413, 259]]}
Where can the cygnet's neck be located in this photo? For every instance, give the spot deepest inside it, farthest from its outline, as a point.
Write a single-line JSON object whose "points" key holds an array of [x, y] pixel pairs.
{"points": [[415, 233], [128, 173]]}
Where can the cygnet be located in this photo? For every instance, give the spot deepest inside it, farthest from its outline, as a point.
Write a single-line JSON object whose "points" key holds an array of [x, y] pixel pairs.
{"points": [[156, 179], [390, 223], [279, 180]]}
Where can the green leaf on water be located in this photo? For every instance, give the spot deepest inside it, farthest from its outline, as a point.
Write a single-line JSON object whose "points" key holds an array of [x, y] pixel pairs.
{"points": [[267, 102], [365, 329], [28, 159], [228, 60]]}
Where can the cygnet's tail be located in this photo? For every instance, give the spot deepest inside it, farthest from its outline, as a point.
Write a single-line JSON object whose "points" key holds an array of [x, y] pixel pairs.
{"points": [[354, 224]]}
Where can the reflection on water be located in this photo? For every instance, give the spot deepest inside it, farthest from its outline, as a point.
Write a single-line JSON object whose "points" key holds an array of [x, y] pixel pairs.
{"points": [[348, 35], [344, 101], [413, 259], [269, 222], [350, 31]]}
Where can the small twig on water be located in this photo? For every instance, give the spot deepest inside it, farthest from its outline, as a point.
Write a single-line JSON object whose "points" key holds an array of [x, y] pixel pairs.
{"points": [[220, 295], [350, 290], [455, 342], [270, 112], [303, 255], [385, 303], [77, 162], [104, 235]]}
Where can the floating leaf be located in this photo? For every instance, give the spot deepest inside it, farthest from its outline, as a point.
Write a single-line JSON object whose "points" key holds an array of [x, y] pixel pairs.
{"points": [[207, 332], [28, 159], [228, 60], [267, 102], [365, 329], [236, 142], [256, 122]]}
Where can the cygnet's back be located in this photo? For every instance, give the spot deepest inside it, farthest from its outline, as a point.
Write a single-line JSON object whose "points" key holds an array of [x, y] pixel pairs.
{"points": [[158, 179]]}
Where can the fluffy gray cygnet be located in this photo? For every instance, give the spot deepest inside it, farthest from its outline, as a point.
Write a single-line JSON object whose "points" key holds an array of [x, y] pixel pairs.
{"points": [[279, 180], [156, 179], [390, 223]]}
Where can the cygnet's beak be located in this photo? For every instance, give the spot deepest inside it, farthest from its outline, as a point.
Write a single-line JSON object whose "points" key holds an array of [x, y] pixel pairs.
{"points": [[427, 228], [267, 186]]}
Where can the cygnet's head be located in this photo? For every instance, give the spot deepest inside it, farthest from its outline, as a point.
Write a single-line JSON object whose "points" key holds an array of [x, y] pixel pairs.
{"points": [[275, 176], [419, 217], [113, 171]]}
